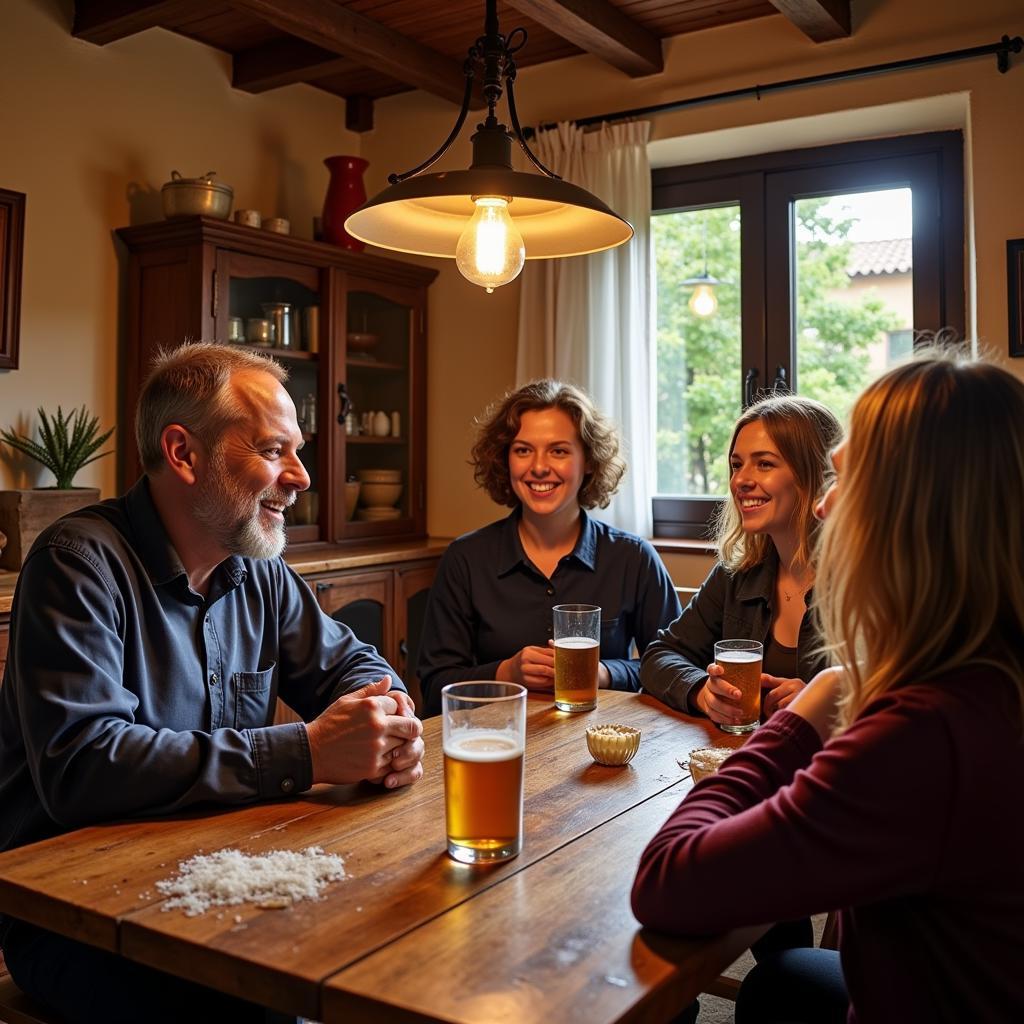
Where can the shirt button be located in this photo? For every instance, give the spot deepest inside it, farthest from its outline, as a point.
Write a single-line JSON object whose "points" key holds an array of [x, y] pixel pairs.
{"points": [[551, 590], [287, 785], [213, 678]]}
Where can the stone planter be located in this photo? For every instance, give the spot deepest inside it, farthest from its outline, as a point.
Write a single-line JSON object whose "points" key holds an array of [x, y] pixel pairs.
{"points": [[24, 514]]}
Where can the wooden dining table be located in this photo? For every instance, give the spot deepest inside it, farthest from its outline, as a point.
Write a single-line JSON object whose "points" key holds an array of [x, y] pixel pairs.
{"points": [[410, 934]]}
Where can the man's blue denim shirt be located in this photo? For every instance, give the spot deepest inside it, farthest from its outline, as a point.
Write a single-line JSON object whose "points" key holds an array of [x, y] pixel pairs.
{"points": [[128, 693]]}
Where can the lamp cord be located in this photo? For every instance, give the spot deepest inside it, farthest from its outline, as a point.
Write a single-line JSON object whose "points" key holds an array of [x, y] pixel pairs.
{"points": [[493, 52]]}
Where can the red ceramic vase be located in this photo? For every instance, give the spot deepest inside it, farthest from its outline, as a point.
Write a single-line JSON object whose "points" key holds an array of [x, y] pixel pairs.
{"points": [[345, 193]]}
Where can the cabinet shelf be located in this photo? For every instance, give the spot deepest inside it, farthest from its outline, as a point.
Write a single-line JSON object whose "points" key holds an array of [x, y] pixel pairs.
{"points": [[298, 355], [369, 439], [363, 364]]}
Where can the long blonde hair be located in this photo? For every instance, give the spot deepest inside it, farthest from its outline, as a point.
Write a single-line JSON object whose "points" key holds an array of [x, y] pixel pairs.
{"points": [[804, 432], [921, 567]]}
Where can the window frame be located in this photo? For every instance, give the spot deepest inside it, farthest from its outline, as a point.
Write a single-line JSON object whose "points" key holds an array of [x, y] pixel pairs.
{"points": [[766, 187]]}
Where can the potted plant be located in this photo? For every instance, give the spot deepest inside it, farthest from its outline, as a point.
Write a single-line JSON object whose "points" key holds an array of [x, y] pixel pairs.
{"points": [[66, 444]]}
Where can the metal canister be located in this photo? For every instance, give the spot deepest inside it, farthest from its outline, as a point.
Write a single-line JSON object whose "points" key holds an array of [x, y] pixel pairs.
{"points": [[280, 314], [259, 331], [311, 327]]}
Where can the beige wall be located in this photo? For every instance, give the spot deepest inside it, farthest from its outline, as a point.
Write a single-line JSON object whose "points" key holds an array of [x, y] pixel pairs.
{"points": [[90, 134], [81, 124]]}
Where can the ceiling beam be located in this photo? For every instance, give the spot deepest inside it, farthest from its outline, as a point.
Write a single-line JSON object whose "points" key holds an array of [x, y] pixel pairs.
{"points": [[359, 113], [104, 21], [370, 44], [820, 20], [601, 29], [285, 62]]}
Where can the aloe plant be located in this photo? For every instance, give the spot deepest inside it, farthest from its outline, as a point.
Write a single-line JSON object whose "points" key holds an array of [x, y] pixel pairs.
{"points": [[68, 443]]}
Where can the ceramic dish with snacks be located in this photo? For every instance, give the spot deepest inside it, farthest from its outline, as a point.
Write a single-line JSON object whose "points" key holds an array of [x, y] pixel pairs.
{"points": [[612, 744], [705, 761]]}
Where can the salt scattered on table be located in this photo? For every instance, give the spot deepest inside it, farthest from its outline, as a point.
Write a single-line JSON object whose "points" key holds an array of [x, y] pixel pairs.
{"points": [[230, 877]]}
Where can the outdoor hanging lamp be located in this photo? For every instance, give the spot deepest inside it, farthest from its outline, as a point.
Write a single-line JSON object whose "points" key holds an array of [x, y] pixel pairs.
{"points": [[489, 218], [703, 302]]}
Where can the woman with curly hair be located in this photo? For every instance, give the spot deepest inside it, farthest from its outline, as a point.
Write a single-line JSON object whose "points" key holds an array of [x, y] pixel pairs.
{"points": [[760, 588], [547, 453], [888, 788]]}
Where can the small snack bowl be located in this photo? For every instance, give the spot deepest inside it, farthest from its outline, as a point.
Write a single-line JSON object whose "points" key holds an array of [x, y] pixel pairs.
{"points": [[705, 761], [612, 744]]}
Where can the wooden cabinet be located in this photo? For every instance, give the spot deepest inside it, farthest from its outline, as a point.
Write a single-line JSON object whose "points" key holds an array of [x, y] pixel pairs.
{"points": [[365, 602], [384, 607], [357, 344]]}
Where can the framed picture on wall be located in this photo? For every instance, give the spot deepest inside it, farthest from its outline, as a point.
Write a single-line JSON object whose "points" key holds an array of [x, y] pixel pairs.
{"points": [[12, 240], [1015, 292]]}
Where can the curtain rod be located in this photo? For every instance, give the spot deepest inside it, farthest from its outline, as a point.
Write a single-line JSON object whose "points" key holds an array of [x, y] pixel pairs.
{"points": [[1001, 49]]}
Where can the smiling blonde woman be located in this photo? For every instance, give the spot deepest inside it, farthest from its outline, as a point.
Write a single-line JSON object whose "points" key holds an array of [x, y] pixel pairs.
{"points": [[760, 587]]}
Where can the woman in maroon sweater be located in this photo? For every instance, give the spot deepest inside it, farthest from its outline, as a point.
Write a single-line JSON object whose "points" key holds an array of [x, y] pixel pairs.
{"points": [[890, 788]]}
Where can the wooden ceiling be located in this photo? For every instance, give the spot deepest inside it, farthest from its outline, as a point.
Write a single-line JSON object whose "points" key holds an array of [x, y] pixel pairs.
{"points": [[366, 49]]}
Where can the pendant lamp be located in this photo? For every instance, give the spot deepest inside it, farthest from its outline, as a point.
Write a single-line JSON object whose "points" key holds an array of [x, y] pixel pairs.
{"points": [[488, 218]]}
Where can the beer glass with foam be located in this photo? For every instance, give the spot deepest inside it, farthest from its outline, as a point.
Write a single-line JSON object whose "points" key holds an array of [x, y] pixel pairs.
{"points": [[577, 634], [484, 739], [741, 661]]}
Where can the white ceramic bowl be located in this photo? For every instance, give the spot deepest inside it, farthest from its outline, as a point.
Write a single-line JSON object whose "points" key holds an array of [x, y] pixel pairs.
{"points": [[361, 341], [379, 476], [374, 495], [373, 515]]}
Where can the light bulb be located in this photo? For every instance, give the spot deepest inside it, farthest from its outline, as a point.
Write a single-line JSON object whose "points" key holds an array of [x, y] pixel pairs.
{"points": [[490, 251], [703, 301]]}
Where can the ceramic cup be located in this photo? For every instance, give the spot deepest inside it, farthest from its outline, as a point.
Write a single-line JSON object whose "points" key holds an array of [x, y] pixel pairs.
{"points": [[278, 225], [250, 218]]}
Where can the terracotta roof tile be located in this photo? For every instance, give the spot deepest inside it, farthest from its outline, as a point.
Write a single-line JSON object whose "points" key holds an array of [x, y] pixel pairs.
{"points": [[887, 256]]}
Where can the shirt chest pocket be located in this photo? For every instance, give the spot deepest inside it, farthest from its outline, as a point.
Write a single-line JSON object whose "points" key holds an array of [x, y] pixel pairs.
{"points": [[614, 642], [252, 692]]}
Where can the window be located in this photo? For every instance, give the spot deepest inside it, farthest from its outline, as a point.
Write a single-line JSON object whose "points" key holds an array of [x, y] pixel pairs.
{"points": [[810, 271]]}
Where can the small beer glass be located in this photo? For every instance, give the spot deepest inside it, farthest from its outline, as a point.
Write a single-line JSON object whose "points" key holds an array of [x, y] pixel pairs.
{"points": [[577, 634], [741, 660], [484, 738]]}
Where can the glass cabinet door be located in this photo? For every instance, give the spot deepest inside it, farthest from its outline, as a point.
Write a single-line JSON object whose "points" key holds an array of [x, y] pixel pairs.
{"points": [[274, 307], [382, 468]]}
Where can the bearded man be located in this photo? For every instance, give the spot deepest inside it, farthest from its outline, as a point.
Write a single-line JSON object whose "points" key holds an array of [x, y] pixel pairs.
{"points": [[151, 636]]}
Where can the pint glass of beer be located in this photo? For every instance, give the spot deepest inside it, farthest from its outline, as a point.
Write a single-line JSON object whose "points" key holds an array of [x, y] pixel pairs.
{"points": [[484, 730], [577, 633], [741, 660]]}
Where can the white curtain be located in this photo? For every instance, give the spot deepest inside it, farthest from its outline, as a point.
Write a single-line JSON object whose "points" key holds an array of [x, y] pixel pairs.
{"points": [[588, 319]]}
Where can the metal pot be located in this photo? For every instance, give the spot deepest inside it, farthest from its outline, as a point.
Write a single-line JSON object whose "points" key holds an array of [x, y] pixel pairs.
{"points": [[188, 197]]}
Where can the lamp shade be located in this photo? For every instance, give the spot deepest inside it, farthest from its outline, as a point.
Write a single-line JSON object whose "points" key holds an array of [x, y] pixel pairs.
{"points": [[428, 213]]}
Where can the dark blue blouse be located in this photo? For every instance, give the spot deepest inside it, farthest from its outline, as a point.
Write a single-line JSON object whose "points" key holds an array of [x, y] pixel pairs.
{"points": [[489, 601]]}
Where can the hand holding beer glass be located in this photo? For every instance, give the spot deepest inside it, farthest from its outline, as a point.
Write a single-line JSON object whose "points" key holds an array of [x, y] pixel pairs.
{"points": [[484, 738], [740, 661], [577, 633]]}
